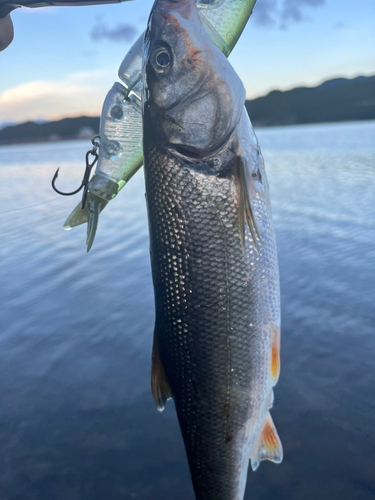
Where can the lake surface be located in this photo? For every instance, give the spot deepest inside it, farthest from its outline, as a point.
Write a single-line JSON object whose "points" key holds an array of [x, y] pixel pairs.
{"points": [[77, 420]]}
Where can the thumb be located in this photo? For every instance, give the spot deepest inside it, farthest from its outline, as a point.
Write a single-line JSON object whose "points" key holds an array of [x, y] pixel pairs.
{"points": [[6, 32]]}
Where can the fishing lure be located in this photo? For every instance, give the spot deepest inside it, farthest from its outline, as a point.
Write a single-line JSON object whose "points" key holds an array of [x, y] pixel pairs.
{"points": [[120, 153]]}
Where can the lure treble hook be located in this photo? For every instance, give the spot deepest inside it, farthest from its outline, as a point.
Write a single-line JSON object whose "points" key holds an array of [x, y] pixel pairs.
{"points": [[86, 177]]}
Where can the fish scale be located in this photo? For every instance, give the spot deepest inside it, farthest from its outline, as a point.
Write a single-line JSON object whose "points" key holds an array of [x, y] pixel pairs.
{"points": [[207, 296]]}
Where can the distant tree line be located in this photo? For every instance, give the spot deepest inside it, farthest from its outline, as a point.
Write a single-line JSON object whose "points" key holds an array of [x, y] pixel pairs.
{"points": [[333, 101]]}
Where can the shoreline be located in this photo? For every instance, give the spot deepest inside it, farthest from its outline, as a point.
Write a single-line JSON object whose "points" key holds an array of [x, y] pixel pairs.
{"points": [[257, 126]]}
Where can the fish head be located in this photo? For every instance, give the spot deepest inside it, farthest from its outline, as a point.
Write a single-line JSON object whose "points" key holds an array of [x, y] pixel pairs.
{"points": [[193, 95]]}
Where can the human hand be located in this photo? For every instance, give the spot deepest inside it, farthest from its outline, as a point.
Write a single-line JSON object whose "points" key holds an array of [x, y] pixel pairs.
{"points": [[6, 32]]}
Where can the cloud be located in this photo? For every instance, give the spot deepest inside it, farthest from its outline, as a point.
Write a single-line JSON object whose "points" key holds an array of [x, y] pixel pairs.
{"points": [[281, 13], [121, 33], [339, 26], [76, 94], [89, 76], [265, 12]]}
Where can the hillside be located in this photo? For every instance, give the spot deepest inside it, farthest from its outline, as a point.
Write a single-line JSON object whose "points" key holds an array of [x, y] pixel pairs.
{"points": [[333, 101], [82, 127]]}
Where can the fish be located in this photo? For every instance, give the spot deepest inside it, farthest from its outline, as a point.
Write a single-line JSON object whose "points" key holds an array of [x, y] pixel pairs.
{"points": [[224, 22], [216, 344]]}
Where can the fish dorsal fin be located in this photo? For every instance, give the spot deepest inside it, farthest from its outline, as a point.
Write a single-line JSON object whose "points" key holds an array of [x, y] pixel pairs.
{"points": [[160, 388], [245, 211], [268, 447]]}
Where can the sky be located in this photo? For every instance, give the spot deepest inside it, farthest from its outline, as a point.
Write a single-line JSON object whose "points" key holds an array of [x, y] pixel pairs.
{"points": [[64, 60]]}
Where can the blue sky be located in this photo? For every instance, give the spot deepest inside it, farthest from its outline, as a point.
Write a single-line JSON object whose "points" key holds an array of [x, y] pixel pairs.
{"points": [[63, 60]]}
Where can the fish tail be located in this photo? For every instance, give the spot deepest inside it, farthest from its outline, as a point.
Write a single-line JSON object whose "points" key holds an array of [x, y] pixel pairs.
{"points": [[268, 446], [76, 218], [94, 204], [90, 214]]}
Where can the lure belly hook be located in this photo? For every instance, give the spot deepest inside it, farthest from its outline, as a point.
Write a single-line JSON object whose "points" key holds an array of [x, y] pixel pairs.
{"points": [[85, 181]]}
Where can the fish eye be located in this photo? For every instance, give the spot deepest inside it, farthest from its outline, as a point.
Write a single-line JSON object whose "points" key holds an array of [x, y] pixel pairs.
{"points": [[163, 59]]}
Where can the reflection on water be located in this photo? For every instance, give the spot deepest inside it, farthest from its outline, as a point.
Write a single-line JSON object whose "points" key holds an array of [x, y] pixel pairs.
{"points": [[77, 419]]}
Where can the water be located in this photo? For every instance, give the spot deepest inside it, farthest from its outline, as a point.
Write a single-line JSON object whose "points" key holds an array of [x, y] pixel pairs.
{"points": [[77, 421]]}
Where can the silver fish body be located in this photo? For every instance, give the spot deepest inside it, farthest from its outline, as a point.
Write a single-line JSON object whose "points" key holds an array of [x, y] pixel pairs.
{"points": [[213, 255]]}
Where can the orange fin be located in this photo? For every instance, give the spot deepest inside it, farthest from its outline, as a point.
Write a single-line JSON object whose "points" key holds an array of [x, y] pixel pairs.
{"points": [[269, 446], [275, 356], [160, 388]]}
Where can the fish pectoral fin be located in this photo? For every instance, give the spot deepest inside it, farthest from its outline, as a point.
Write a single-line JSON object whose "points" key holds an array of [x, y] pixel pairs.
{"points": [[246, 214], [160, 388], [269, 446]]}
